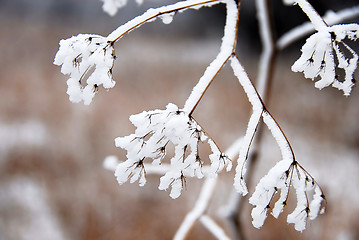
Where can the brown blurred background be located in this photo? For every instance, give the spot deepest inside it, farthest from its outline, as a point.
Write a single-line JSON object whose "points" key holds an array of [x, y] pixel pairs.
{"points": [[52, 183]]}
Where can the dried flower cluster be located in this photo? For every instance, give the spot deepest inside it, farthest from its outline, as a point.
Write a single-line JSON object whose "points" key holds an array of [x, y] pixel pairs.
{"points": [[88, 59], [324, 52], [157, 129], [280, 179]]}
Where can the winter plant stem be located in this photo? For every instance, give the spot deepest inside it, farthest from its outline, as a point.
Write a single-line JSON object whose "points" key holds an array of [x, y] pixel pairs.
{"points": [[152, 14], [312, 14], [203, 200], [264, 80], [322, 55], [198, 210], [227, 48], [307, 28]]}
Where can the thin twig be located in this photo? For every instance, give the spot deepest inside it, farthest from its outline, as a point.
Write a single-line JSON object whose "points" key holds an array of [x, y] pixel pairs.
{"points": [[307, 28], [153, 14], [226, 50], [204, 197], [213, 227]]}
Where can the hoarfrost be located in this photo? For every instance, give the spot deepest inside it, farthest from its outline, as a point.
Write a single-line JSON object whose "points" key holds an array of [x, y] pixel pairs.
{"points": [[88, 59], [154, 131], [280, 178], [324, 52]]}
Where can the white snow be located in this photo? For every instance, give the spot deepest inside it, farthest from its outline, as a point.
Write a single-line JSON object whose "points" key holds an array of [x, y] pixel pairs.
{"points": [[88, 59], [304, 29], [321, 52], [154, 131], [216, 65]]}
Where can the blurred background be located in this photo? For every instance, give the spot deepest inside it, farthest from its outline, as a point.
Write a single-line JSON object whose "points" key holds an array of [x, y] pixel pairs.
{"points": [[52, 182]]}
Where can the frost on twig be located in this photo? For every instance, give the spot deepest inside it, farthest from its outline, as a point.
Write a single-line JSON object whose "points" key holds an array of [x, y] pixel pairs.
{"points": [[155, 130], [279, 179], [325, 54], [112, 6], [88, 59], [307, 28], [282, 176]]}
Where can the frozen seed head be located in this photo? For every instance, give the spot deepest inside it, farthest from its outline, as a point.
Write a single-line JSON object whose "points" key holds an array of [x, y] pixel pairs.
{"points": [[154, 131], [88, 60]]}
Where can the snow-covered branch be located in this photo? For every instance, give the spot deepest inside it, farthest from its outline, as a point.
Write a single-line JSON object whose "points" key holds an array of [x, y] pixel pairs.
{"points": [[266, 35], [198, 210], [164, 13], [307, 28], [213, 227], [88, 60], [281, 176], [157, 129], [325, 52], [226, 50], [204, 197], [312, 14]]}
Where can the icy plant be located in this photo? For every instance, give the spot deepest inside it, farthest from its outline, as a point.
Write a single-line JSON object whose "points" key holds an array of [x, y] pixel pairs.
{"points": [[279, 179], [325, 51], [155, 130], [89, 59]]}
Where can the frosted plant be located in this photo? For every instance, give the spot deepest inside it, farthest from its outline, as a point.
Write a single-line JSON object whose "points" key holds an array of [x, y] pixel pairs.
{"points": [[279, 179], [88, 59], [325, 51], [155, 130]]}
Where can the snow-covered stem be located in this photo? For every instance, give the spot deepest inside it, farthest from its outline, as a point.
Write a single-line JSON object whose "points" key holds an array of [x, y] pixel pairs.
{"points": [[230, 212], [227, 48], [156, 128], [152, 14], [257, 104], [111, 162], [204, 197], [307, 28], [245, 147], [312, 14], [200, 207], [213, 227], [266, 59], [264, 79]]}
